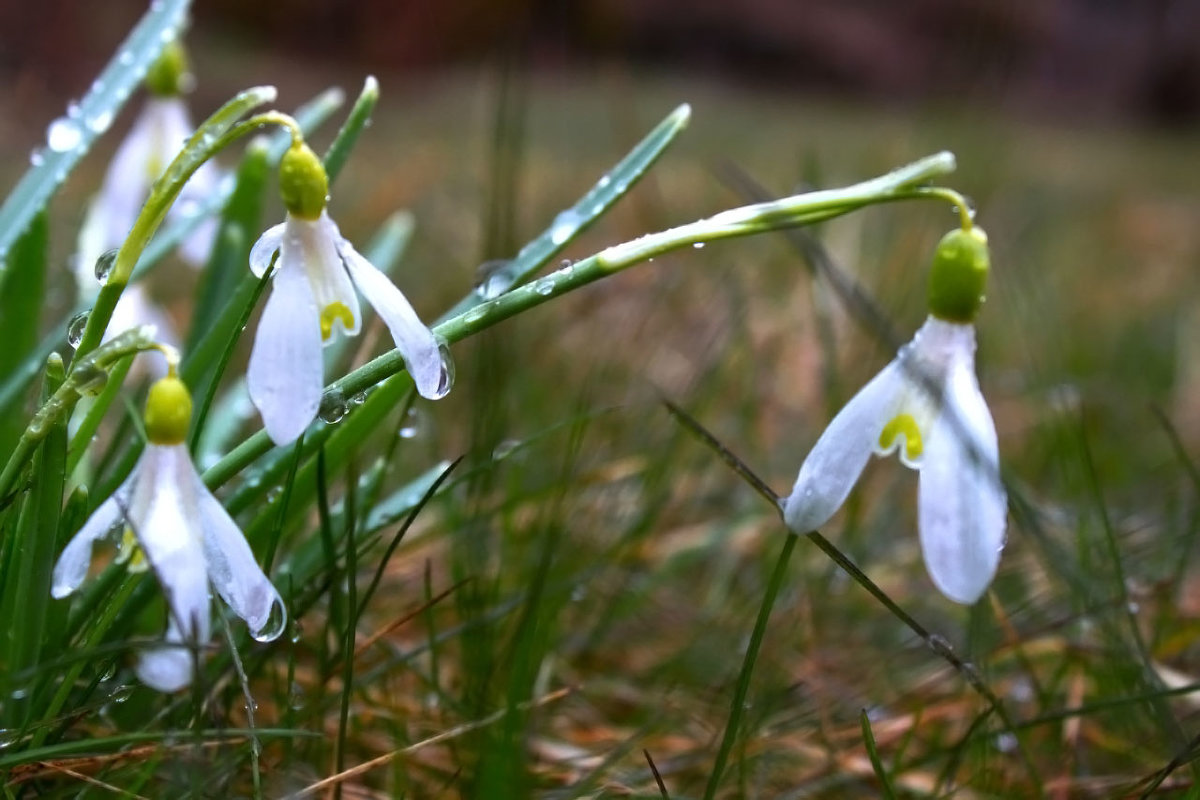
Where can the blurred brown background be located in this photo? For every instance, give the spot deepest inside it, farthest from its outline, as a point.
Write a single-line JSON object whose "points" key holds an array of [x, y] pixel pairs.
{"points": [[1096, 58]]}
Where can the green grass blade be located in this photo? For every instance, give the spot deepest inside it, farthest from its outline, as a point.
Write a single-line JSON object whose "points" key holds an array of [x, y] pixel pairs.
{"points": [[571, 222], [22, 291], [359, 118], [885, 782], [70, 137]]}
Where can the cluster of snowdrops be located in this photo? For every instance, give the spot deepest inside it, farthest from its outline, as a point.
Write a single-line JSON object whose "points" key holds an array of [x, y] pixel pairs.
{"points": [[926, 403]]}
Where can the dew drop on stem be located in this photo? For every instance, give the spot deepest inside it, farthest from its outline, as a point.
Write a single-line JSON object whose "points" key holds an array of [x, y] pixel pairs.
{"points": [[104, 264], [75, 329], [333, 406], [63, 134]]}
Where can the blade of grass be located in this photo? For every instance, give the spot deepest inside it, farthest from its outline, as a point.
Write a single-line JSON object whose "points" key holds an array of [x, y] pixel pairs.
{"points": [[22, 293], [885, 783], [358, 118]]}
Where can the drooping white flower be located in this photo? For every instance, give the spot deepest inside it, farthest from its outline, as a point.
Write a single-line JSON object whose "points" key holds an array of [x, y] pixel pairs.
{"points": [[156, 137], [312, 297], [184, 536], [926, 403]]}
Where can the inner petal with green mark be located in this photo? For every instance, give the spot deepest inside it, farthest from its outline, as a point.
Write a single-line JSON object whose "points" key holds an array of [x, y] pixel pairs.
{"points": [[335, 311], [905, 425], [131, 551]]}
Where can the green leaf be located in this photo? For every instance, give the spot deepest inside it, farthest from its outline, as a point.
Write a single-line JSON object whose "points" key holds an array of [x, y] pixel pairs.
{"points": [[359, 118], [70, 137], [21, 296], [570, 223]]}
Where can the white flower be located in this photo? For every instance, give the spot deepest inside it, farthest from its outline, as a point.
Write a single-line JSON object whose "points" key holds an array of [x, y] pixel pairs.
{"points": [[157, 136], [185, 536], [312, 296], [929, 398]]}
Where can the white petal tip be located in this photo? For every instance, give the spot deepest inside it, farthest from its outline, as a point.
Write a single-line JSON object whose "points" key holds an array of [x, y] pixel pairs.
{"points": [[165, 669]]}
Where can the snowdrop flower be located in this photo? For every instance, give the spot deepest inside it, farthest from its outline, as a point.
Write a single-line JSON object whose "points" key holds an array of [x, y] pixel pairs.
{"points": [[152, 143], [182, 533], [926, 403], [312, 296]]}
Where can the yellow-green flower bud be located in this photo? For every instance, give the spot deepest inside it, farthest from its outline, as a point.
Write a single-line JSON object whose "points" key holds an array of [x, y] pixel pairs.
{"points": [[168, 411], [303, 184], [168, 75], [958, 277]]}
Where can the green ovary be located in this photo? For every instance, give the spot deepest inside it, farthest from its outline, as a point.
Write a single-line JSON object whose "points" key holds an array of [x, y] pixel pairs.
{"points": [[331, 312], [903, 425]]}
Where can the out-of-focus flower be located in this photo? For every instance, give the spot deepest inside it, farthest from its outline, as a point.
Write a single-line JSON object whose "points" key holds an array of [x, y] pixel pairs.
{"points": [[312, 296], [926, 403]]}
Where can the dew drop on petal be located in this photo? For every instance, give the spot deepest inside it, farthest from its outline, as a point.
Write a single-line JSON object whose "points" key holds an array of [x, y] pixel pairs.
{"points": [[333, 406], [104, 264], [75, 329], [446, 379], [63, 134], [276, 621]]}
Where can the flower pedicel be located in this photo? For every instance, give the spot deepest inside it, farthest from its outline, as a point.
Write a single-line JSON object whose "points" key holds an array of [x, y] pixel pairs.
{"points": [[927, 398]]}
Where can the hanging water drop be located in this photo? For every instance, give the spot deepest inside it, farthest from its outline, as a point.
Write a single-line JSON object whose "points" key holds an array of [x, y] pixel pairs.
{"points": [[333, 406], [104, 264], [274, 624], [494, 278], [75, 329], [63, 134], [411, 425], [446, 379]]}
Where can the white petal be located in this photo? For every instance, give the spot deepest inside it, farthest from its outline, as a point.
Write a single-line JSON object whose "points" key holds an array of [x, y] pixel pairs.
{"points": [[414, 340], [264, 249], [314, 244], [72, 566], [232, 568], [167, 528], [285, 372], [840, 454], [93, 241], [961, 502], [165, 668]]}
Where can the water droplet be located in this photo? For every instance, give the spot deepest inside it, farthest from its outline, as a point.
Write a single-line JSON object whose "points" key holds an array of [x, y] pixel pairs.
{"points": [[63, 134], [446, 379], [1005, 742], [101, 122], [20, 693], [333, 406], [104, 264], [411, 425], [504, 449], [474, 315], [89, 379], [125, 58], [939, 644], [544, 286], [73, 110], [8, 737], [297, 631], [604, 181], [296, 696], [109, 672], [274, 625], [36, 158], [359, 398], [250, 706], [75, 328], [698, 245], [494, 278], [564, 226], [121, 694]]}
